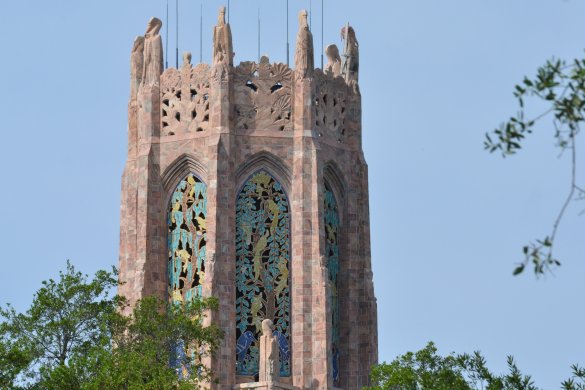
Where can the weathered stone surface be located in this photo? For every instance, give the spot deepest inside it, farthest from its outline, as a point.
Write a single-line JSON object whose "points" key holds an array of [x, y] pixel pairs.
{"points": [[305, 131]]}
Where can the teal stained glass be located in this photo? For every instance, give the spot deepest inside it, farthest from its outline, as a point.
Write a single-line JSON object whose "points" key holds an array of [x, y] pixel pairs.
{"points": [[187, 234], [332, 254], [262, 270]]}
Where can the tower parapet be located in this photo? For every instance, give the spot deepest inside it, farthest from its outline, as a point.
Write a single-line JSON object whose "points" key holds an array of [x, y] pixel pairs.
{"points": [[249, 183]]}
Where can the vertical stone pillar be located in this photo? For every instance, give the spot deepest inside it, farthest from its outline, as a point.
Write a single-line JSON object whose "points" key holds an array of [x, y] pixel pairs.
{"points": [[309, 321], [221, 228], [128, 206], [143, 263]]}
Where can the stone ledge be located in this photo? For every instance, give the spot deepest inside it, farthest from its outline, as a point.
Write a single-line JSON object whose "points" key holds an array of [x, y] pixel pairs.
{"points": [[264, 385]]}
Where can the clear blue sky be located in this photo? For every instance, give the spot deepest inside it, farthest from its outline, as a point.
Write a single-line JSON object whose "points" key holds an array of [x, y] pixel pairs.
{"points": [[448, 219]]}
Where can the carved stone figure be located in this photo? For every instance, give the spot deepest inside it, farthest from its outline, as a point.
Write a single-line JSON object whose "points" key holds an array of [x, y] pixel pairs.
{"points": [[186, 58], [269, 354], [351, 55], [153, 53], [333, 60], [304, 57], [136, 66], [223, 52]]}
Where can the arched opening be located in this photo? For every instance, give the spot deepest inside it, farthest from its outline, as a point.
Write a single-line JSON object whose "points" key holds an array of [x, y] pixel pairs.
{"points": [[331, 223], [186, 240], [262, 270]]}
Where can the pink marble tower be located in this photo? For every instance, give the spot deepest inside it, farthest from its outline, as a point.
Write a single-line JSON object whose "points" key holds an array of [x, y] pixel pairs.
{"points": [[253, 178]]}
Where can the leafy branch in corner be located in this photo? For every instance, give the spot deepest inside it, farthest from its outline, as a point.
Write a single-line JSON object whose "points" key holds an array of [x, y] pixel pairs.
{"points": [[562, 87]]}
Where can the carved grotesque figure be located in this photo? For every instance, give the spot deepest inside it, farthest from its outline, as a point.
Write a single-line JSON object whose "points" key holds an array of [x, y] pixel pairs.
{"points": [[136, 66], [304, 58], [269, 354], [223, 52], [333, 60], [351, 55], [153, 53]]}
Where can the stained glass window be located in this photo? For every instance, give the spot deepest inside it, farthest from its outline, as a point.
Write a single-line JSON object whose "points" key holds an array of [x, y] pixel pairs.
{"points": [[332, 254], [262, 270], [186, 222]]}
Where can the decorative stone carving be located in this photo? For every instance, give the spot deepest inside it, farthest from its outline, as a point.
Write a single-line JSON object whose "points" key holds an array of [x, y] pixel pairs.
{"points": [[330, 105], [269, 354], [153, 53], [263, 95], [186, 59], [304, 54], [185, 98], [333, 65], [136, 66], [223, 52], [351, 55]]}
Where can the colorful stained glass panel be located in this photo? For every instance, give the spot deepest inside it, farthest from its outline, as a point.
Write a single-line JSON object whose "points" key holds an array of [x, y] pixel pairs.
{"points": [[332, 253], [262, 270], [187, 233]]}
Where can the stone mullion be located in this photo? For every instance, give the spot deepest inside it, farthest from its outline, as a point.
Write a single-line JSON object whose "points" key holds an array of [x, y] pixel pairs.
{"points": [[368, 324], [352, 305], [222, 206]]}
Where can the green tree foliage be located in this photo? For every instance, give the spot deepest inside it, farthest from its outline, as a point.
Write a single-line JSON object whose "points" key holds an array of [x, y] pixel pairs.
{"points": [[426, 370], [74, 337], [561, 87]]}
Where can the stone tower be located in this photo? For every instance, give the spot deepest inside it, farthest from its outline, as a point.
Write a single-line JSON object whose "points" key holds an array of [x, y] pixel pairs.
{"points": [[248, 183]]}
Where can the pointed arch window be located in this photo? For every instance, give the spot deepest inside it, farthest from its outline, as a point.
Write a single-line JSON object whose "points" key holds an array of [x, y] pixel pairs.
{"points": [[332, 254], [262, 270], [187, 235]]}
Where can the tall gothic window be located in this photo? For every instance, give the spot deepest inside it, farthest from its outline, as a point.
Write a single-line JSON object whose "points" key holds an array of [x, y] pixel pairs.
{"points": [[262, 270], [332, 254], [187, 235]]}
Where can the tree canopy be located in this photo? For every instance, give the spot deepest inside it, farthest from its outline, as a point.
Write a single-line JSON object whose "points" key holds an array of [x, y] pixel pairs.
{"points": [[427, 370], [74, 336]]}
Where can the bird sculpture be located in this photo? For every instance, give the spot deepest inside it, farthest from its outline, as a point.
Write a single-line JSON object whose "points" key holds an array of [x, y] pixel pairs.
{"points": [[222, 41], [243, 344], [283, 345]]}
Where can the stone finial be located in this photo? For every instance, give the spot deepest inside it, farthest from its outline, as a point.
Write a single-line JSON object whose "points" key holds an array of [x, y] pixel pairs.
{"points": [[223, 52], [333, 65], [269, 354], [187, 58], [351, 56], [136, 66], [153, 53], [304, 54]]}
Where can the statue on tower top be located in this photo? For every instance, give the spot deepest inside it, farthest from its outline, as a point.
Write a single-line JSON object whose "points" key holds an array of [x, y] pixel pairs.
{"points": [[153, 53], [304, 58], [223, 52], [333, 65], [351, 55]]}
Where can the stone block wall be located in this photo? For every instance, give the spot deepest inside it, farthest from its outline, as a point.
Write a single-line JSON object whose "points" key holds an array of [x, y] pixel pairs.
{"points": [[224, 123]]}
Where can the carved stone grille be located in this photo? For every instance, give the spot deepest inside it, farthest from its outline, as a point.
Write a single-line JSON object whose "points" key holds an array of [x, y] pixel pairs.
{"points": [[263, 96], [187, 232], [185, 100], [330, 106], [332, 254], [262, 270]]}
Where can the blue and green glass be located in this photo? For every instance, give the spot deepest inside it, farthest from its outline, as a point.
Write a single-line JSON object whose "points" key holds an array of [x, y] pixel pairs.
{"points": [[332, 255], [187, 234], [262, 270]]}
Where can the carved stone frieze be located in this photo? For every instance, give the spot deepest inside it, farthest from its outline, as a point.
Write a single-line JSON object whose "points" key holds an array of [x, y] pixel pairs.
{"points": [[263, 94], [331, 105], [185, 99]]}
